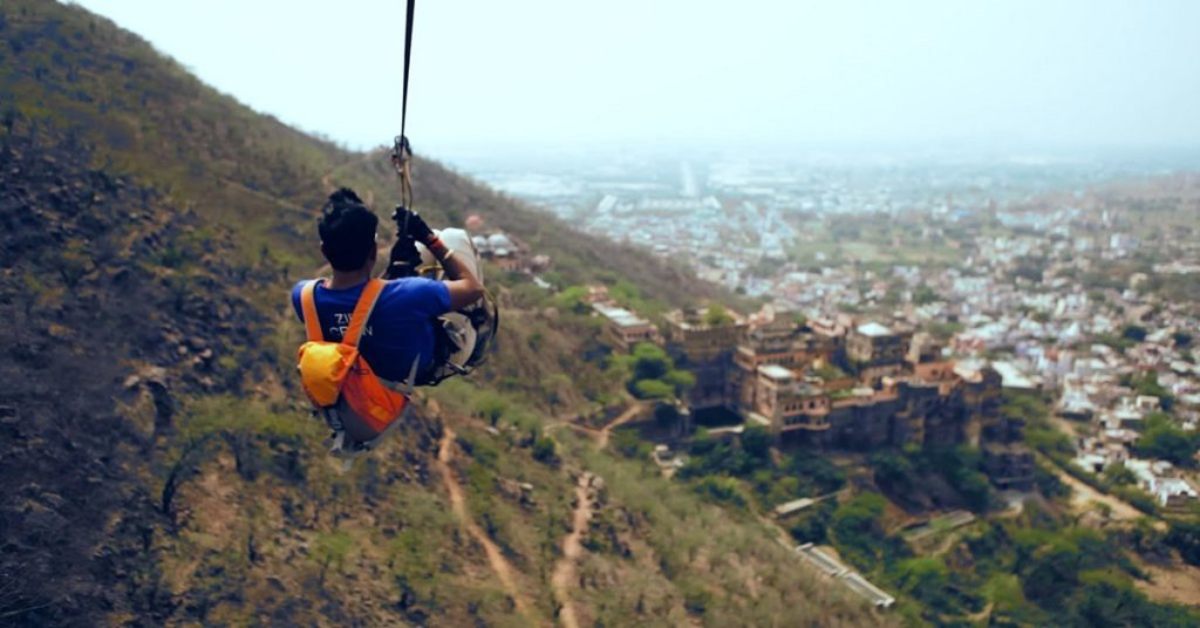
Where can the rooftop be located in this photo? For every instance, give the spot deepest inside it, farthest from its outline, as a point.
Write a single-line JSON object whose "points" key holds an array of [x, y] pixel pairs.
{"points": [[776, 372], [874, 330], [620, 316], [1012, 376], [796, 505]]}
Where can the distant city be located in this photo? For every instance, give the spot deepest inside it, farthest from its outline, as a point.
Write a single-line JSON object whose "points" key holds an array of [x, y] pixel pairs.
{"points": [[734, 219], [1074, 277]]}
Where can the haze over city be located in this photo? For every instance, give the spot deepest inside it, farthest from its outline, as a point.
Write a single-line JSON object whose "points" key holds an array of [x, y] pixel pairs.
{"points": [[982, 76]]}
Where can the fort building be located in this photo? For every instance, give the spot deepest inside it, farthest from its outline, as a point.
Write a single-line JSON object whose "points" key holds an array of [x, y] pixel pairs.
{"points": [[783, 377], [876, 351], [704, 343]]}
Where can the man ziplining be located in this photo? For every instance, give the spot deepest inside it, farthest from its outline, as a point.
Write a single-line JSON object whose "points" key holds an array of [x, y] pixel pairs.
{"points": [[370, 340]]}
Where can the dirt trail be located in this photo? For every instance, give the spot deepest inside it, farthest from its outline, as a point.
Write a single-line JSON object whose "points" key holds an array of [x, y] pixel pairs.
{"points": [[626, 416], [564, 577], [1083, 494], [1177, 582], [458, 503]]}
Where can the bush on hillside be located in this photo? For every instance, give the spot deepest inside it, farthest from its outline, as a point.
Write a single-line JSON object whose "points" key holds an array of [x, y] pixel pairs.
{"points": [[1162, 438]]}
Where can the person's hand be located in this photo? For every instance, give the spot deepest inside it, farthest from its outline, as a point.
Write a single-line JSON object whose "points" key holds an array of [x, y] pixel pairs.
{"points": [[414, 224]]}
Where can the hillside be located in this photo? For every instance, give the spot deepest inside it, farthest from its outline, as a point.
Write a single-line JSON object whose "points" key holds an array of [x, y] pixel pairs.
{"points": [[159, 467]]}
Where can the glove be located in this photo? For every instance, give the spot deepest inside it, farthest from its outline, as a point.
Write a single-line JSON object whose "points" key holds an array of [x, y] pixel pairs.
{"points": [[403, 260], [416, 227]]}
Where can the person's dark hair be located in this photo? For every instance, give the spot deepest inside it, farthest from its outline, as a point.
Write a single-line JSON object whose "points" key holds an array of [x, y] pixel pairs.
{"points": [[347, 230]]}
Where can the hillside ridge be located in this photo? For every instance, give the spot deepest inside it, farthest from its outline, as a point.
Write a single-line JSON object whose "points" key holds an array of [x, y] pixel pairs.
{"points": [[162, 466]]}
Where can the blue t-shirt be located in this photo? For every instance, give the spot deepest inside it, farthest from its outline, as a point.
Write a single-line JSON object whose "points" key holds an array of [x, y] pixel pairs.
{"points": [[399, 329]]}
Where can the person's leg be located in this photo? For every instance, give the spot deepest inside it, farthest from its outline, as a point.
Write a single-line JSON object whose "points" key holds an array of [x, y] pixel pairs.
{"points": [[458, 241], [472, 325]]}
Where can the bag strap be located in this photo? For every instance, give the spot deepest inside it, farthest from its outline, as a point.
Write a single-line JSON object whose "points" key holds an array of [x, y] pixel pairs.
{"points": [[362, 311], [308, 307]]}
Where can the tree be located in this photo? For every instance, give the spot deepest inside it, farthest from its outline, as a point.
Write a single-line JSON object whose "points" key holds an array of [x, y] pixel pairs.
{"points": [[627, 443], [756, 442], [857, 526], [722, 489], [928, 580], [1136, 333], [491, 407], [652, 389], [650, 361], [1148, 385], [1119, 475], [1161, 438], [812, 524], [652, 373], [924, 295], [571, 300], [1185, 537], [681, 380], [893, 472], [717, 315], [816, 472], [974, 488], [545, 451], [1052, 574]]}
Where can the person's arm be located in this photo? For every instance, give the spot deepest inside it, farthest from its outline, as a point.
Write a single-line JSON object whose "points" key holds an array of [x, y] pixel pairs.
{"points": [[464, 287]]}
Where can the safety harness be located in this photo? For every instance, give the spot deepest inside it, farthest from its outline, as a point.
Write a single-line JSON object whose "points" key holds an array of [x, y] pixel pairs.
{"points": [[361, 408]]}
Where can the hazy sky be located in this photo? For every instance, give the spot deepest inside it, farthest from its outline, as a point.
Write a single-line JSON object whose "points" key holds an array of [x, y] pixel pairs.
{"points": [[963, 72]]}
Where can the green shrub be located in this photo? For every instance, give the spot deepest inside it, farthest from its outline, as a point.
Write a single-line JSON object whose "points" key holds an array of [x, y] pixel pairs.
{"points": [[330, 550], [628, 444], [545, 450], [857, 527], [652, 389], [721, 489], [1184, 536], [716, 315], [696, 600], [1162, 438]]}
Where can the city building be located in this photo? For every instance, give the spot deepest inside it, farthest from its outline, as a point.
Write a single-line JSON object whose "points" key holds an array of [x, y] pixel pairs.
{"points": [[623, 328]]}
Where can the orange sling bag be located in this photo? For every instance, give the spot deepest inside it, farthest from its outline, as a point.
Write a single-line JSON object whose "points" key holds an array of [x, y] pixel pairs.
{"points": [[333, 372]]}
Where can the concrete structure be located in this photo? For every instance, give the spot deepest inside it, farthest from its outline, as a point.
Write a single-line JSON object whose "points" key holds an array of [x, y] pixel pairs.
{"points": [[624, 328], [852, 580], [796, 505]]}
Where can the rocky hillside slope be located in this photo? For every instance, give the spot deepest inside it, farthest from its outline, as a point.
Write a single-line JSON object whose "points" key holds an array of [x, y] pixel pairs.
{"points": [[158, 466]]}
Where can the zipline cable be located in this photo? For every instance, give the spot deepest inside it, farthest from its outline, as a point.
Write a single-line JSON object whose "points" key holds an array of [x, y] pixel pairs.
{"points": [[408, 28], [401, 148], [404, 257]]}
